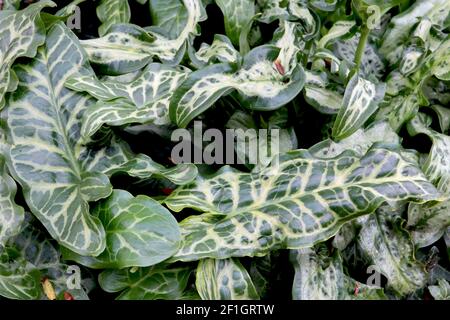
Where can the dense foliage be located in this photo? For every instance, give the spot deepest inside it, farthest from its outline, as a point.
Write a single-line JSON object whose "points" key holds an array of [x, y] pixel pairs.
{"points": [[358, 206]]}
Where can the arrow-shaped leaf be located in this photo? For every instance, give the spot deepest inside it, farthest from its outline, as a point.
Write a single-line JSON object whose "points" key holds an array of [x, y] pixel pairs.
{"points": [[301, 201], [145, 99], [127, 48], [261, 84]]}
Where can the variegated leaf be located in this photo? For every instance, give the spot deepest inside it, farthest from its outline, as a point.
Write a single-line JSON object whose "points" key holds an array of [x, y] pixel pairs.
{"points": [[237, 15], [151, 283], [399, 109], [18, 279], [345, 235], [360, 141], [324, 57], [437, 166], [318, 94], [34, 258], [127, 48], [372, 66], [258, 81], [11, 215], [257, 152], [224, 280], [298, 202], [139, 232], [271, 10], [111, 12], [397, 36], [220, 50], [10, 5], [169, 15], [144, 99], [360, 101], [443, 116], [383, 240], [116, 157], [438, 62], [22, 32], [143, 167], [43, 123], [68, 10], [441, 291], [40, 251], [321, 277], [324, 5], [428, 224], [299, 11], [61, 176], [262, 270], [290, 45], [339, 29]]}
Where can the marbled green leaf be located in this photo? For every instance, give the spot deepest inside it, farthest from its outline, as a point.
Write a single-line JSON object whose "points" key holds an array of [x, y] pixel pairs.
{"points": [[59, 175], [237, 15], [11, 215], [220, 50], [127, 48], [22, 32], [321, 277], [111, 12], [170, 15], [320, 95], [143, 167], [428, 224], [441, 291], [339, 29], [372, 65], [33, 258], [360, 141], [139, 232], [19, 279], [43, 127], [145, 99], [224, 280], [151, 283], [271, 10], [396, 37], [258, 81], [387, 245], [360, 101], [298, 202]]}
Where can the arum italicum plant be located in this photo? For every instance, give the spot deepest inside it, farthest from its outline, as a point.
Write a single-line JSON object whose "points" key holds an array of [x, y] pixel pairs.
{"points": [[358, 206]]}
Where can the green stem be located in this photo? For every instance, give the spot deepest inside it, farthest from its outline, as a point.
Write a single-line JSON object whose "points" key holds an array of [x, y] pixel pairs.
{"points": [[361, 46]]}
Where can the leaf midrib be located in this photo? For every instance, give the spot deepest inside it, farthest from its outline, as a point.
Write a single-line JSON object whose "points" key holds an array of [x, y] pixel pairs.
{"points": [[56, 106]]}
